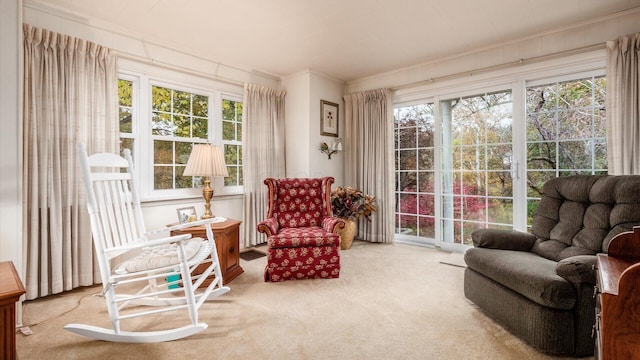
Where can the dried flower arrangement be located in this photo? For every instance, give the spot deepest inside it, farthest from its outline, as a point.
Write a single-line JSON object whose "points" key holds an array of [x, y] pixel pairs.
{"points": [[349, 203]]}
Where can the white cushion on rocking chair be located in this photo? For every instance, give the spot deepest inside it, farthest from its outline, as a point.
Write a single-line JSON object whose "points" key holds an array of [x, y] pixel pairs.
{"points": [[158, 256]]}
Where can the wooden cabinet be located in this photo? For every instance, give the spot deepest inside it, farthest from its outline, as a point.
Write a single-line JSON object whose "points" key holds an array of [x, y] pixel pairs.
{"points": [[227, 237], [11, 289], [617, 328]]}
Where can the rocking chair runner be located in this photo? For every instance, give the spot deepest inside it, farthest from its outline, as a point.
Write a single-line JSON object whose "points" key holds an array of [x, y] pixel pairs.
{"points": [[118, 229]]}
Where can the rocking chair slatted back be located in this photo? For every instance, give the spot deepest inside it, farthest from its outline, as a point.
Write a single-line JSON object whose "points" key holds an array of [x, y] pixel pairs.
{"points": [[114, 205]]}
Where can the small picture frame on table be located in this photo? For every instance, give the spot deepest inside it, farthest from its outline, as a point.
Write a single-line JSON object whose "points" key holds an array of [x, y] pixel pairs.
{"points": [[187, 214], [328, 118]]}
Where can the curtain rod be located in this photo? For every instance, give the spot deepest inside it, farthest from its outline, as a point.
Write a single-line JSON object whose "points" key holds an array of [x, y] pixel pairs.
{"points": [[176, 67], [507, 65]]}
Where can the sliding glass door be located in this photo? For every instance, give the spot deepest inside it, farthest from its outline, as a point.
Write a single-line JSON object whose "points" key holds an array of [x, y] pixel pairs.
{"points": [[479, 160], [470, 168]]}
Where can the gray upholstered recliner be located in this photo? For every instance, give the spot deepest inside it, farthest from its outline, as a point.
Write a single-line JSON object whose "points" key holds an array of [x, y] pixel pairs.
{"points": [[539, 286]]}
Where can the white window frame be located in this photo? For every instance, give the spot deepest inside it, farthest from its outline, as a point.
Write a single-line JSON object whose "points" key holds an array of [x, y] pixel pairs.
{"points": [[135, 84], [144, 76], [231, 189]]}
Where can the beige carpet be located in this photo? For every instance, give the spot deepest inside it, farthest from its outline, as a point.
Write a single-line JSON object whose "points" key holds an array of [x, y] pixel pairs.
{"points": [[390, 302]]}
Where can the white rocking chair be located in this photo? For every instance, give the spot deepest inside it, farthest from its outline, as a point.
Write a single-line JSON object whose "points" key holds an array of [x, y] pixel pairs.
{"points": [[118, 229]]}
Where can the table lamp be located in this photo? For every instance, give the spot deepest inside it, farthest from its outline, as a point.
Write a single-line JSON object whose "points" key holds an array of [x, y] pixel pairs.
{"points": [[206, 160]]}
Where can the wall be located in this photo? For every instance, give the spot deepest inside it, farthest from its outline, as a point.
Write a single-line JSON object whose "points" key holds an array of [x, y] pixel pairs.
{"points": [[305, 90], [586, 35], [297, 124], [325, 88]]}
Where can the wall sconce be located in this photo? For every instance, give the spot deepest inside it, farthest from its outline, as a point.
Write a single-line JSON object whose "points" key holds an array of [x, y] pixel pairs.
{"points": [[337, 146]]}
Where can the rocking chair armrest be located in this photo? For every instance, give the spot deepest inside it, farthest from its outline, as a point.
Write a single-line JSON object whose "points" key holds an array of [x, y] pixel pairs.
{"points": [[182, 226], [269, 226], [149, 243], [333, 224]]}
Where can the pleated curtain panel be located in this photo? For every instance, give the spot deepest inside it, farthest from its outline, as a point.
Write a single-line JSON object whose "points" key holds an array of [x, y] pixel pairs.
{"points": [[369, 162], [70, 96], [263, 153], [623, 105]]}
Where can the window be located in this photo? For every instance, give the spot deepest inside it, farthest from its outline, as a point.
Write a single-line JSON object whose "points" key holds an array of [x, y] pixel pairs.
{"points": [[477, 148], [232, 140], [178, 119], [468, 159], [125, 111], [163, 116], [414, 159], [566, 133]]}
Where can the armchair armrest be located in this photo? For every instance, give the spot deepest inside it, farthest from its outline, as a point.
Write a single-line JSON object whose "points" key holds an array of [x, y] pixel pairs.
{"points": [[578, 269], [333, 224], [503, 239], [269, 226]]}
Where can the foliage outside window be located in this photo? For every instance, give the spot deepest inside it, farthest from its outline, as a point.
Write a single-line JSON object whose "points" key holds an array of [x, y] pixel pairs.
{"points": [[177, 119], [232, 140], [566, 133], [125, 111], [164, 113], [414, 164], [477, 152], [473, 168]]}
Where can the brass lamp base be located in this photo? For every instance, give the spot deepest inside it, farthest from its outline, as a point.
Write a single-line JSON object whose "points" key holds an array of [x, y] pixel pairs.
{"points": [[207, 194]]}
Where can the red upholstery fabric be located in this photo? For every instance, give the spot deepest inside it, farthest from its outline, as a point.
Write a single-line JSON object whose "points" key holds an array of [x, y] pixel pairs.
{"points": [[303, 256], [301, 231], [303, 272]]}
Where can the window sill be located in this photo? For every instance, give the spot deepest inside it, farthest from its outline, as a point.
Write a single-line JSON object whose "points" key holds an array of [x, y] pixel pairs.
{"points": [[152, 202]]}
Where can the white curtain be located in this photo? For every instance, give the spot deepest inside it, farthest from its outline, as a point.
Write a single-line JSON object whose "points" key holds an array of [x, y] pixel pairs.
{"points": [[369, 158], [263, 153], [623, 105], [70, 96]]}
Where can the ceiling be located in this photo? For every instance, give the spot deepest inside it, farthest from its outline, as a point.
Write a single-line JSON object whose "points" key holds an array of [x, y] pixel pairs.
{"points": [[343, 39]]}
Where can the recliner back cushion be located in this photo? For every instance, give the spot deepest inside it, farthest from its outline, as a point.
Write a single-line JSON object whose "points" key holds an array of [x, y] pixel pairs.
{"points": [[578, 215], [299, 203]]}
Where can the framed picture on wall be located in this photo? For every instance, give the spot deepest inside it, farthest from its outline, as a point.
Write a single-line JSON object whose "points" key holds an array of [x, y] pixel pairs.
{"points": [[328, 118]]}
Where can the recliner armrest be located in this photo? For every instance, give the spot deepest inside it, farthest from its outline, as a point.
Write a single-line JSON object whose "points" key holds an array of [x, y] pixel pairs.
{"points": [[578, 269], [333, 224], [502, 239], [269, 226]]}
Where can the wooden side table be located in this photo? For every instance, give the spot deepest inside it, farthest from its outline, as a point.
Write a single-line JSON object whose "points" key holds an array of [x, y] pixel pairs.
{"points": [[11, 289], [617, 328], [227, 237]]}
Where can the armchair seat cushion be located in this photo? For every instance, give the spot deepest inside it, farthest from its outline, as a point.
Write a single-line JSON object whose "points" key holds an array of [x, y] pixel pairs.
{"points": [[526, 273], [303, 256], [303, 236]]}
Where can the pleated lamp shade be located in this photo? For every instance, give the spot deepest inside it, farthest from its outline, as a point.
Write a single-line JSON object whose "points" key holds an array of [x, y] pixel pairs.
{"points": [[206, 160]]}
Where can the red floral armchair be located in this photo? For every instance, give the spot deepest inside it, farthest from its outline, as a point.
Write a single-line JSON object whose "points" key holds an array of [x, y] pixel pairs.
{"points": [[302, 238]]}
